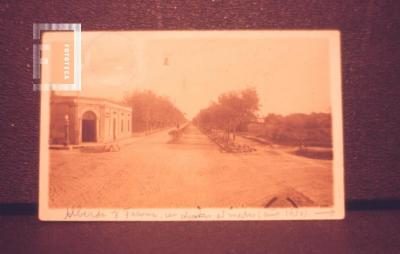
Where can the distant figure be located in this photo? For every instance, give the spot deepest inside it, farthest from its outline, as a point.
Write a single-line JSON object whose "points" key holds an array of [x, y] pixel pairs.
{"points": [[177, 125]]}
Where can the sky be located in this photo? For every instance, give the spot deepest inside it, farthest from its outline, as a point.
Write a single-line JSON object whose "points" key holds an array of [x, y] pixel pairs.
{"points": [[290, 71]]}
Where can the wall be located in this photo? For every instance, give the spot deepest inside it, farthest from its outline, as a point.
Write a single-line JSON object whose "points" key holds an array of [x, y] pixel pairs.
{"points": [[60, 108], [121, 117], [106, 112]]}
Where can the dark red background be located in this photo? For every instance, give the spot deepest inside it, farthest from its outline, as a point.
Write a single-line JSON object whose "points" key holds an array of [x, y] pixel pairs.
{"points": [[371, 79]]}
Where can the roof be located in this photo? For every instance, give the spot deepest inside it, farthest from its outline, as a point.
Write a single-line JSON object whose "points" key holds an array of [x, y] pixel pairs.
{"points": [[77, 99]]}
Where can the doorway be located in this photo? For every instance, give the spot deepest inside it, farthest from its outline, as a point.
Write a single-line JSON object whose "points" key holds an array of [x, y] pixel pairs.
{"points": [[89, 127]]}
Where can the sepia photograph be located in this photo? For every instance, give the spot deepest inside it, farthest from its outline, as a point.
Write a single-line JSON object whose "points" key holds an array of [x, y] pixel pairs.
{"points": [[192, 125]]}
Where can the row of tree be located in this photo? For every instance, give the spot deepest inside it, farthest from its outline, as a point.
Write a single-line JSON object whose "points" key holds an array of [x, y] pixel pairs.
{"points": [[236, 111], [298, 129], [231, 110], [151, 111]]}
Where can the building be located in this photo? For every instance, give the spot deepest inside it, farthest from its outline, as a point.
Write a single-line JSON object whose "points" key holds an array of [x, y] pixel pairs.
{"points": [[81, 120]]}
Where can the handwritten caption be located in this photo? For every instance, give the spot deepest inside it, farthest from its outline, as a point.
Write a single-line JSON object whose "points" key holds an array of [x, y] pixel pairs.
{"points": [[184, 214]]}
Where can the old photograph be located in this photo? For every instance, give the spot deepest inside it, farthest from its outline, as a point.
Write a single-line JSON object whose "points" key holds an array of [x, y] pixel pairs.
{"points": [[193, 125]]}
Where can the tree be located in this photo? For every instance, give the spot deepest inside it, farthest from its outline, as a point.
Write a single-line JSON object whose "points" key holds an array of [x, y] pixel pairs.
{"points": [[231, 110], [241, 107], [150, 111], [301, 129]]}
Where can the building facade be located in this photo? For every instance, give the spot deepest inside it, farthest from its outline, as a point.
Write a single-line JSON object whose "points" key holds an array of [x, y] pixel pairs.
{"points": [[76, 120]]}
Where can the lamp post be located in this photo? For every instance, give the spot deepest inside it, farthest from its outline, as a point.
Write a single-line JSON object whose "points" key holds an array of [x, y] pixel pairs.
{"points": [[66, 130]]}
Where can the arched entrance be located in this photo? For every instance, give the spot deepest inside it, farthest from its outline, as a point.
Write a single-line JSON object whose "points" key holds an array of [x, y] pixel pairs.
{"points": [[89, 127]]}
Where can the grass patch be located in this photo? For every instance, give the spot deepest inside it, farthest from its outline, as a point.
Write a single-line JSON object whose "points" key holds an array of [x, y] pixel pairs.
{"points": [[315, 153]]}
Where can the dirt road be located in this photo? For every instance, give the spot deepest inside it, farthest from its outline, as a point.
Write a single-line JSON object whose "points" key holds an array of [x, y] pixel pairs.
{"points": [[151, 173]]}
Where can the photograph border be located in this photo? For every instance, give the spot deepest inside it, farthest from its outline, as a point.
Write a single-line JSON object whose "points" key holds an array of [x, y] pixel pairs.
{"points": [[337, 211]]}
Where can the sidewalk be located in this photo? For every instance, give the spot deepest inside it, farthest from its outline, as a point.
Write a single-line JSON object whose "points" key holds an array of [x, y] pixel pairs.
{"points": [[256, 139], [103, 145]]}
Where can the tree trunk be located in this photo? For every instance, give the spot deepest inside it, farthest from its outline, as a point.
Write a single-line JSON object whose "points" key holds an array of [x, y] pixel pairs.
{"points": [[234, 135]]}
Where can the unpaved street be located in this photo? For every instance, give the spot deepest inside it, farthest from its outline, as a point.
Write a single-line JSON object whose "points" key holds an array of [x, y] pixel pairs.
{"points": [[151, 173]]}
